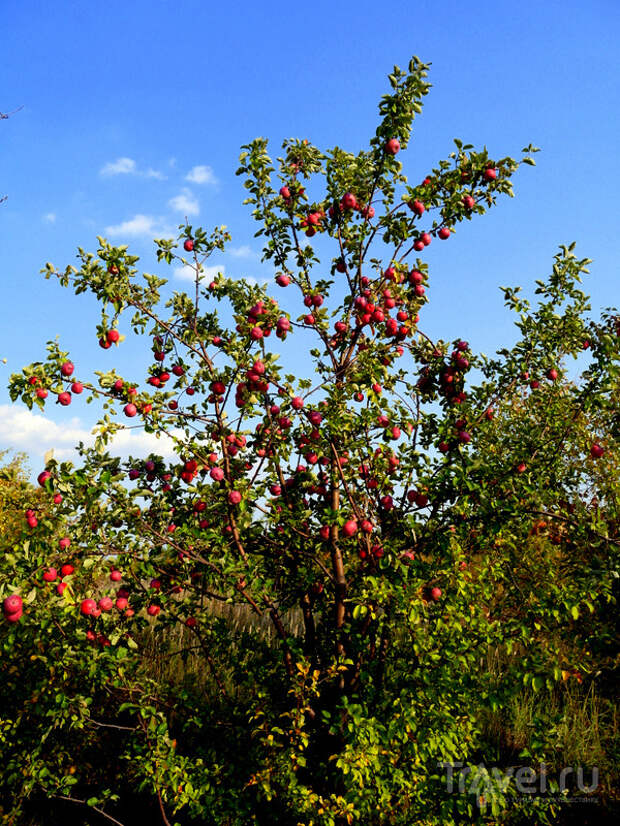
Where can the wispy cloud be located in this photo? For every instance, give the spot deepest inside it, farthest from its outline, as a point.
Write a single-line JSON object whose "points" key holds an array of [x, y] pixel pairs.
{"points": [[201, 175], [140, 225], [127, 166], [185, 202], [187, 273], [49, 217], [241, 252], [121, 166]]}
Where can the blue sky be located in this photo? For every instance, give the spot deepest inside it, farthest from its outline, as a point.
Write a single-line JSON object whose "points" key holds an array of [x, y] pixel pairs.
{"points": [[134, 112]]}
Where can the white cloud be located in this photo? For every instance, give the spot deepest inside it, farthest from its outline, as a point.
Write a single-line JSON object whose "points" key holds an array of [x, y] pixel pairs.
{"points": [[34, 433], [201, 175], [242, 252], [187, 273], [185, 203], [140, 225], [50, 217], [121, 166], [127, 166], [27, 430], [254, 282]]}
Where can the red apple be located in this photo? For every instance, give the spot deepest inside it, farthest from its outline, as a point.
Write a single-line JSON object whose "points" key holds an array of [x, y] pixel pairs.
{"points": [[392, 146], [349, 527], [64, 398], [67, 368], [43, 477], [12, 604], [188, 245], [596, 451], [113, 336], [130, 410], [88, 607]]}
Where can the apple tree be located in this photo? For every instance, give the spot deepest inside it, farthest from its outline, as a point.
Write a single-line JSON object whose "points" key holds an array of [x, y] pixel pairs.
{"points": [[290, 621]]}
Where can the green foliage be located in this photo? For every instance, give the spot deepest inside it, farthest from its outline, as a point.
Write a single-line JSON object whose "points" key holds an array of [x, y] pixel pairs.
{"points": [[294, 619]]}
